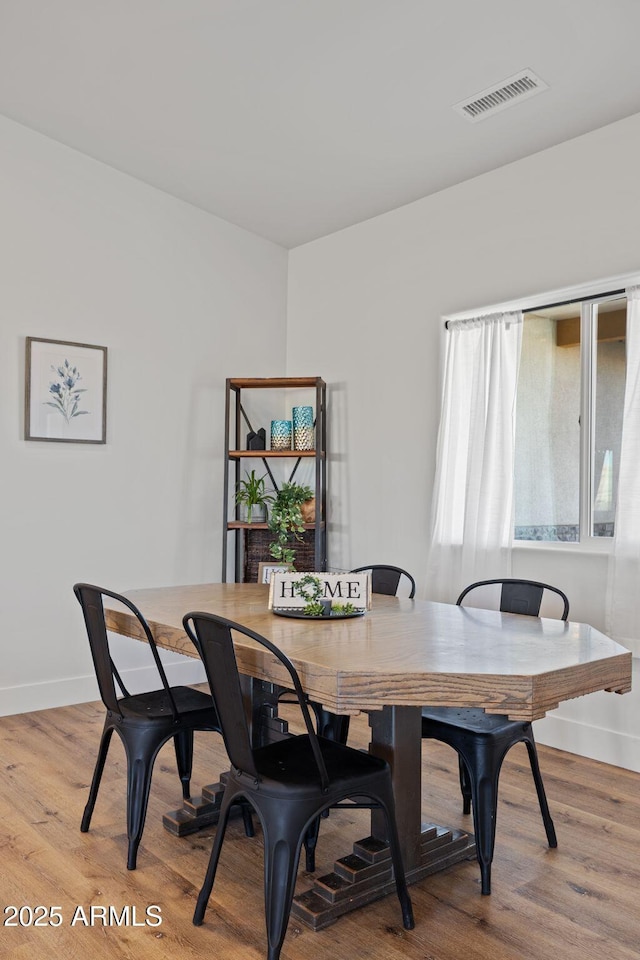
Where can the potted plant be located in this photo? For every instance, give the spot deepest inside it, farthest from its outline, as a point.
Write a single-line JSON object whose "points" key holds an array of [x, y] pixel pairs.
{"points": [[252, 495], [286, 521]]}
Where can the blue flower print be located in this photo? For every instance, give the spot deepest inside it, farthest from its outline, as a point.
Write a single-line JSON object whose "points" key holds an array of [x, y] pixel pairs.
{"points": [[65, 395]]}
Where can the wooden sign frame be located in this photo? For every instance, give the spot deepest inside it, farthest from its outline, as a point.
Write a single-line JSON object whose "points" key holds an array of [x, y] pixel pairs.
{"points": [[353, 588]]}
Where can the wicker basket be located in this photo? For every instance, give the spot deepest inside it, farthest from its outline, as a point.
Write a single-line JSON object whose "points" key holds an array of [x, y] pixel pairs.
{"points": [[256, 550]]}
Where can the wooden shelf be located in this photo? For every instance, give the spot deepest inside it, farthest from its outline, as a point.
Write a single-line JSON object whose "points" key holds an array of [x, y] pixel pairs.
{"points": [[261, 454], [271, 383], [243, 525]]}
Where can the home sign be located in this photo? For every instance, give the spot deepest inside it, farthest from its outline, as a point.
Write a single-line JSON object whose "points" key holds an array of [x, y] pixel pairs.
{"points": [[292, 591]]}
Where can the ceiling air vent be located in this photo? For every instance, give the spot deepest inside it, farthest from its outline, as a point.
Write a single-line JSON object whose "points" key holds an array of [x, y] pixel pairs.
{"points": [[502, 95]]}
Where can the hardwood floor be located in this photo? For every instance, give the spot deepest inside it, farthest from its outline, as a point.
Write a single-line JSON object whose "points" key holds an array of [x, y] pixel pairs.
{"points": [[578, 902]]}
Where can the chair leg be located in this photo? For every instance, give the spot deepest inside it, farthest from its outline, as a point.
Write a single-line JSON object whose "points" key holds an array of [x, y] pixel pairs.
{"points": [[247, 819], [542, 797], [484, 773], [387, 804], [103, 749], [331, 726], [207, 886], [282, 840], [310, 843], [183, 743], [465, 785], [139, 771]]}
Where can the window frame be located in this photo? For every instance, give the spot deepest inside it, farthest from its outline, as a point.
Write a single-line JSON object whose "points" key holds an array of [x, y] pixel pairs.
{"points": [[591, 293]]}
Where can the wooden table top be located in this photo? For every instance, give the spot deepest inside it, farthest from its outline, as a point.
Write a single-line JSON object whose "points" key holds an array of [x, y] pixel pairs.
{"points": [[401, 652]]}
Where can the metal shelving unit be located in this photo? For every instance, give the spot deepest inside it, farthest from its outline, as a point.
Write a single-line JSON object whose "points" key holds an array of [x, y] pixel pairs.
{"points": [[234, 531]]}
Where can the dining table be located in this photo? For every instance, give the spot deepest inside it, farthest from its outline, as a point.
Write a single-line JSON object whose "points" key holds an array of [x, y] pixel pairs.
{"points": [[399, 656]]}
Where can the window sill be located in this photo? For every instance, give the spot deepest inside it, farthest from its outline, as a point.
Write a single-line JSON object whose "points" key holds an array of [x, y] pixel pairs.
{"points": [[602, 545]]}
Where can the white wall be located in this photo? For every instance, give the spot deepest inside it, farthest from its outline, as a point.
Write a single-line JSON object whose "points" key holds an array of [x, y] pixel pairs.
{"points": [[181, 300], [365, 308]]}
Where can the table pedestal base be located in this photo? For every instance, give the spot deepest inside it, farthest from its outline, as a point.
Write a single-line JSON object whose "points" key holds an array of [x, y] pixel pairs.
{"points": [[198, 812], [357, 879], [366, 874]]}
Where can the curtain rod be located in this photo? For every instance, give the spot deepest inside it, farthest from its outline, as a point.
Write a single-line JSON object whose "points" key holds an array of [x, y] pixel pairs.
{"points": [[564, 303]]}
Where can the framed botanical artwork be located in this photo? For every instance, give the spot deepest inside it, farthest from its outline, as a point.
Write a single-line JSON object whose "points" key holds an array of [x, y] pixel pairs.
{"points": [[266, 569], [65, 391]]}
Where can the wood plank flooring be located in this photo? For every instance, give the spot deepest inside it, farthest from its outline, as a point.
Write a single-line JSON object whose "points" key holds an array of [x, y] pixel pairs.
{"points": [[578, 902]]}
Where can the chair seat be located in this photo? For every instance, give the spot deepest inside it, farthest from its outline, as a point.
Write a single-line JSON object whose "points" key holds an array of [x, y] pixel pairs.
{"points": [[154, 704], [473, 720], [289, 766]]}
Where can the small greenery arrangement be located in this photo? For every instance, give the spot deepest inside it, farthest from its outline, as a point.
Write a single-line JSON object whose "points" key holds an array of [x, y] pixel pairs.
{"points": [[310, 589], [347, 607], [252, 493], [285, 520]]}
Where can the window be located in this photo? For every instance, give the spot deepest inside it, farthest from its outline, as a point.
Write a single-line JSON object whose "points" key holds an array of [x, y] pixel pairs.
{"points": [[569, 420]]}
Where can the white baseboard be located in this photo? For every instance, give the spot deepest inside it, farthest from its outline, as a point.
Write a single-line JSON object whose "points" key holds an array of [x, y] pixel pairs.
{"points": [[62, 693], [608, 746]]}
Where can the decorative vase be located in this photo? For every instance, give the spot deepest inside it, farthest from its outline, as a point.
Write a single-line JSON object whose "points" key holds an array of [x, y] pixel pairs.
{"points": [[302, 428], [308, 510], [281, 434]]}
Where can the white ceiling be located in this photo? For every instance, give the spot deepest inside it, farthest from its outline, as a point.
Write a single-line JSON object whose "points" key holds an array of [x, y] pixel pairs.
{"points": [[295, 118]]}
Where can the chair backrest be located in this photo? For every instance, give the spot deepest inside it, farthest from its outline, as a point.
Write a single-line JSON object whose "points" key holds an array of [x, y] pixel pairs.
{"points": [[388, 579], [211, 636], [90, 599], [529, 597]]}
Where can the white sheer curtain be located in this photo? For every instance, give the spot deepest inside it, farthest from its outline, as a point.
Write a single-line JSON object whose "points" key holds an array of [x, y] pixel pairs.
{"points": [[473, 494], [624, 564]]}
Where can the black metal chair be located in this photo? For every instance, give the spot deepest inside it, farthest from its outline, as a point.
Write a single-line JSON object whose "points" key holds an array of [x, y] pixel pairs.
{"points": [[389, 580], [289, 783], [482, 740], [143, 721]]}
